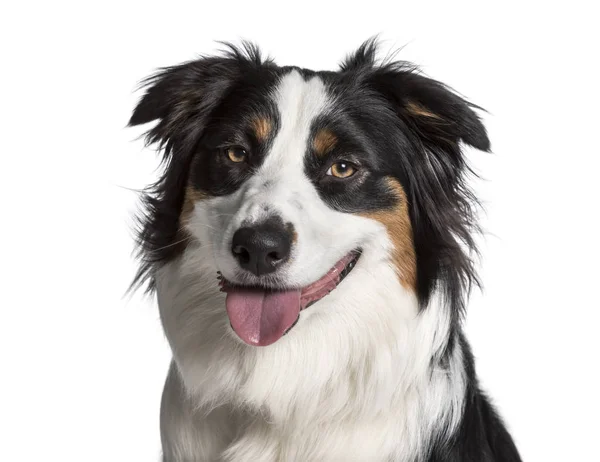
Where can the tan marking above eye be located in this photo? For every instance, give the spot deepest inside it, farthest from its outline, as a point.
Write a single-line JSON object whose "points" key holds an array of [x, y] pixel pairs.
{"points": [[262, 128], [325, 140], [236, 154], [342, 170]]}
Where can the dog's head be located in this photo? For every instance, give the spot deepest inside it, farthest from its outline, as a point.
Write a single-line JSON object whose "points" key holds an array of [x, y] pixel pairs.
{"points": [[295, 180]]}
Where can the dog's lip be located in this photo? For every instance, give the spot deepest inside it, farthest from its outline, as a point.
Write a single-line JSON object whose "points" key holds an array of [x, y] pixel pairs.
{"points": [[316, 291], [313, 292]]}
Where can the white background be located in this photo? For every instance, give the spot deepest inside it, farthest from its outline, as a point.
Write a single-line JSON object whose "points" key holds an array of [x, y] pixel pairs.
{"points": [[82, 367]]}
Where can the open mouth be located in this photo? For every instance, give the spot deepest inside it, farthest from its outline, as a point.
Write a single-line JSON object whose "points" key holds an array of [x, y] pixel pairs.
{"points": [[262, 316]]}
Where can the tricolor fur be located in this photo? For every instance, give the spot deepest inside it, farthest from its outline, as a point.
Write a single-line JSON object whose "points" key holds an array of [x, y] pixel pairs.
{"points": [[378, 369]]}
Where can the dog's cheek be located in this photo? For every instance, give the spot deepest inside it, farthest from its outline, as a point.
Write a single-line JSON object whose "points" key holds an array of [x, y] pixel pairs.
{"points": [[397, 222], [191, 196]]}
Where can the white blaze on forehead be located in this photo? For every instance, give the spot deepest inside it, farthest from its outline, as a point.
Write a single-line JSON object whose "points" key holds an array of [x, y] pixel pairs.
{"points": [[298, 102], [281, 179]]}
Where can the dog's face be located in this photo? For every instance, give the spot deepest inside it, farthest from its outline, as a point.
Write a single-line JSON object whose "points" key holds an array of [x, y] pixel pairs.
{"points": [[295, 180], [281, 187]]}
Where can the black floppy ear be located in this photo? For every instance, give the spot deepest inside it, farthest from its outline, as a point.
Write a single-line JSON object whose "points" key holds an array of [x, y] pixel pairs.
{"points": [[182, 97], [437, 113], [159, 96]]}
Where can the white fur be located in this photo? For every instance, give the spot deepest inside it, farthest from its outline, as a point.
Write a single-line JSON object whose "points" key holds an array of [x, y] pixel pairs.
{"points": [[352, 381]]}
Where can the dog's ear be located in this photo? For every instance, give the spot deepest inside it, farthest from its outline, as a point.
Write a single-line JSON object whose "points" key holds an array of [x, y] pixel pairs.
{"points": [[181, 98], [160, 96], [433, 110]]}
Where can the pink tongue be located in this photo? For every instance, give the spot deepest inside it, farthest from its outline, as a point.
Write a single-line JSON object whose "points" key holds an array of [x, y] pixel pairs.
{"points": [[259, 317]]}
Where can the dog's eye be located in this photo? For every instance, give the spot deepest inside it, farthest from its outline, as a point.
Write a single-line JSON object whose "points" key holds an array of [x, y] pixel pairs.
{"points": [[342, 169], [236, 154]]}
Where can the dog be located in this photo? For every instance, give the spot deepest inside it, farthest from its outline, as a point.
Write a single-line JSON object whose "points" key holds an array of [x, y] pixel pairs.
{"points": [[310, 242]]}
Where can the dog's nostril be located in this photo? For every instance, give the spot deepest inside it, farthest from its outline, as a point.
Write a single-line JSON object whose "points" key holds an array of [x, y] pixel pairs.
{"points": [[241, 253], [274, 257]]}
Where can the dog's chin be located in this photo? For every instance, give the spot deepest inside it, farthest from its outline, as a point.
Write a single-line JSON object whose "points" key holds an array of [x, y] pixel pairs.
{"points": [[262, 314]]}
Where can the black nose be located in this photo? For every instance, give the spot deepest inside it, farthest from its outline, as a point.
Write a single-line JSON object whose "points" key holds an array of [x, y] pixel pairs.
{"points": [[262, 248]]}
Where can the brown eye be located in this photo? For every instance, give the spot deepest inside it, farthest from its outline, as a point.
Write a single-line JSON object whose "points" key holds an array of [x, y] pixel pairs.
{"points": [[236, 154], [342, 170]]}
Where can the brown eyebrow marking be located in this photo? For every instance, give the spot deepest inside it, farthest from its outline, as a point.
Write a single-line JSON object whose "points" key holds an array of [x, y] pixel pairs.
{"points": [[420, 111], [325, 140], [397, 222], [262, 127]]}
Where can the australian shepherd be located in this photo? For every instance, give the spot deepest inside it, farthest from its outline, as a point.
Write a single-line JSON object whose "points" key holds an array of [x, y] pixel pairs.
{"points": [[310, 242]]}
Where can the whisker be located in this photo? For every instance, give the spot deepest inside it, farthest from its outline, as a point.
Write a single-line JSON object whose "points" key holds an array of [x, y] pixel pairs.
{"points": [[172, 244], [197, 223]]}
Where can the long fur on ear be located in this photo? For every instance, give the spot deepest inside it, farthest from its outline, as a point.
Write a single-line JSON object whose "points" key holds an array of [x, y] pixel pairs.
{"points": [[443, 209], [432, 108], [430, 105], [181, 99]]}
